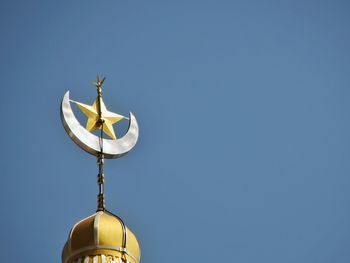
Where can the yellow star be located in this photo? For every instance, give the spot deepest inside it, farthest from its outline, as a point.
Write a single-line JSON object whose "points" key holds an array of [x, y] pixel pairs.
{"points": [[94, 120]]}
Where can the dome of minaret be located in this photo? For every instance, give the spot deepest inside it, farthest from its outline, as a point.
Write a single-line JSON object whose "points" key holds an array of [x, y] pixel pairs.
{"points": [[101, 238]]}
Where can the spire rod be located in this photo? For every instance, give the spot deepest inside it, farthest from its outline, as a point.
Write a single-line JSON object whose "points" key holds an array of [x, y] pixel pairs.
{"points": [[100, 182], [100, 156]]}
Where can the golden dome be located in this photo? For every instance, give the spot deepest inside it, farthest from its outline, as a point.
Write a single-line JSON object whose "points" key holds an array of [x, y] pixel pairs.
{"points": [[101, 238]]}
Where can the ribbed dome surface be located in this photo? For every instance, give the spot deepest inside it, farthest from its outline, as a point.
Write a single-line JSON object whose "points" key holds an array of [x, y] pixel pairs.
{"points": [[101, 238]]}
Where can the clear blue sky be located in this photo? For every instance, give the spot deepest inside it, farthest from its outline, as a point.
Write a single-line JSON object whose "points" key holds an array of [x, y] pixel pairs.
{"points": [[243, 109]]}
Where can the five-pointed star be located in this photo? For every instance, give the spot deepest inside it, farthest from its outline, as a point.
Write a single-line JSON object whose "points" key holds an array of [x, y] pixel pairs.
{"points": [[93, 121]]}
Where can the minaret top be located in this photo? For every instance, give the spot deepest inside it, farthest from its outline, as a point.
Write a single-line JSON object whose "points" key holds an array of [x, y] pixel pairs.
{"points": [[103, 236]]}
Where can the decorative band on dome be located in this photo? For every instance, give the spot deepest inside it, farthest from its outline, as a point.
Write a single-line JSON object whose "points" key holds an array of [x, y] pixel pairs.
{"points": [[99, 259], [97, 248]]}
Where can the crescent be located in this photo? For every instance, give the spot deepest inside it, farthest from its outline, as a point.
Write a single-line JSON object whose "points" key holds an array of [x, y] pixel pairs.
{"points": [[91, 143]]}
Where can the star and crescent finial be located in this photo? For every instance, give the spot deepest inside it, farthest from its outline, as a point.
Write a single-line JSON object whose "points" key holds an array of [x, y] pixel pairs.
{"points": [[98, 118]]}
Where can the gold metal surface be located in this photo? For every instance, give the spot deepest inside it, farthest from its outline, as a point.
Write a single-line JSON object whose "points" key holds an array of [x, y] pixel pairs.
{"points": [[96, 118]]}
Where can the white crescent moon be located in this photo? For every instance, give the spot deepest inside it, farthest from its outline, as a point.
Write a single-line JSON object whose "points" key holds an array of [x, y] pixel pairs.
{"points": [[91, 143]]}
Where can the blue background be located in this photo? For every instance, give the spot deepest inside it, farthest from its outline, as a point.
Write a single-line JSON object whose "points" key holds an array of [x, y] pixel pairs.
{"points": [[243, 109]]}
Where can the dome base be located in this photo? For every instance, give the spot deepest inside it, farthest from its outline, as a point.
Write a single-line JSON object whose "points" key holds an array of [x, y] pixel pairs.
{"points": [[99, 259]]}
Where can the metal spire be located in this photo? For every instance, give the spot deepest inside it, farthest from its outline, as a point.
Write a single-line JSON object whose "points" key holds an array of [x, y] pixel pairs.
{"points": [[100, 157]]}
